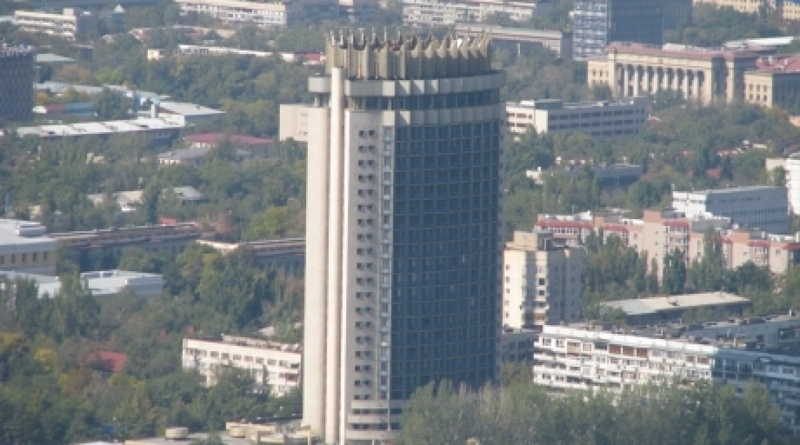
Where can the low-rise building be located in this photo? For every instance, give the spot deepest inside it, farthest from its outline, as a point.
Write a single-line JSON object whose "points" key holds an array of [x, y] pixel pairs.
{"points": [[196, 156], [25, 248], [187, 113], [108, 243], [274, 365], [520, 40], [450, 12], [102, 283], [652, 310], [160, 131], [600, 119], [588, 357], [755, 207], [70, 23], [258, 146], [130, 200], [288, 253]]}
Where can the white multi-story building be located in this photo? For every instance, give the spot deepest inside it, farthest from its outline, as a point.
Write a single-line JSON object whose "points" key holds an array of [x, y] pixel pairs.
{"points": [[758, 207], [444, 12], [541, 281], [791, 167], [277, 13], [276, 365], [601, 119], [585, 358], [70, 23]]}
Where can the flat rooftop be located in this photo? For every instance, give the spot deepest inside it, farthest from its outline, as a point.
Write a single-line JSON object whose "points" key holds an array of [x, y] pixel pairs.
{"points": [[679, 51], [188, 109], [12, 232], [656, 305], [727, 190], [101, 128]]}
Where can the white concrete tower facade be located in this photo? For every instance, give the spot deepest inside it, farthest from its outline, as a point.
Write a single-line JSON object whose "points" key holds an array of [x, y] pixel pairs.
{"points": [[404, 240]]}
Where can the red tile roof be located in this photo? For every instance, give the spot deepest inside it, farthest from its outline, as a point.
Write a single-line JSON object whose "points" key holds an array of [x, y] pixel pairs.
{"points": [[107, 360]]}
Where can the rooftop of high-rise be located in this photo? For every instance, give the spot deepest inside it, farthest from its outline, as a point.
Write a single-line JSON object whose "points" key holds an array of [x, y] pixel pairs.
{"points": [[368, 56]]}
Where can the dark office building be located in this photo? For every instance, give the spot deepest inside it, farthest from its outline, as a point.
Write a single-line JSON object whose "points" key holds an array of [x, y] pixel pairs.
{"points": [[17, 74], [596, 23], [403, 233]]}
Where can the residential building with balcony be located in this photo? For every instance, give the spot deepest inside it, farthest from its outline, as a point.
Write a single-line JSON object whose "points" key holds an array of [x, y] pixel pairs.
{"points": [[450, 12], [264, 14], [588, 357], [541, 281], [277, 366]]}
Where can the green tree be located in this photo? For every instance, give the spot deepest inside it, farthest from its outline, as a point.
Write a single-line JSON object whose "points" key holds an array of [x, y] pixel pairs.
{"points": [[674, 273], [110, 105]]}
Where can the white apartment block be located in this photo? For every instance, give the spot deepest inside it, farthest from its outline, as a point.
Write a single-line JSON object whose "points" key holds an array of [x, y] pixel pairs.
{"points": [[436, 12], [758, 207], [600, 119], [583, 358], [541, 281], [70, 23], [276, 365], [244, 12]]}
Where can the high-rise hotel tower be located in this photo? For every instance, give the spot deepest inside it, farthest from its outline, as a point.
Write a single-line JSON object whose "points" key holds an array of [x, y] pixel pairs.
{"points": [[403, 228]]}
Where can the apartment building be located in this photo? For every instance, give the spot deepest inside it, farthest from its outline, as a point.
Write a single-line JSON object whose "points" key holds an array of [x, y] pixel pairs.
{"points": [[541, 281], [598, 119], [659, 232], [586, 357], [17, 75], [755, 207], [70, 23], [272, 364], [239, 12], [25, 248], [450, 12]]}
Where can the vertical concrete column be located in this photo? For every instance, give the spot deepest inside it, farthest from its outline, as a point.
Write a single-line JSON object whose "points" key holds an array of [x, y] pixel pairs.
{"points": [[637, 80], [646, 86], [316, 292], [335, 234], [686, 75], [696, 86], [625, 80]]}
